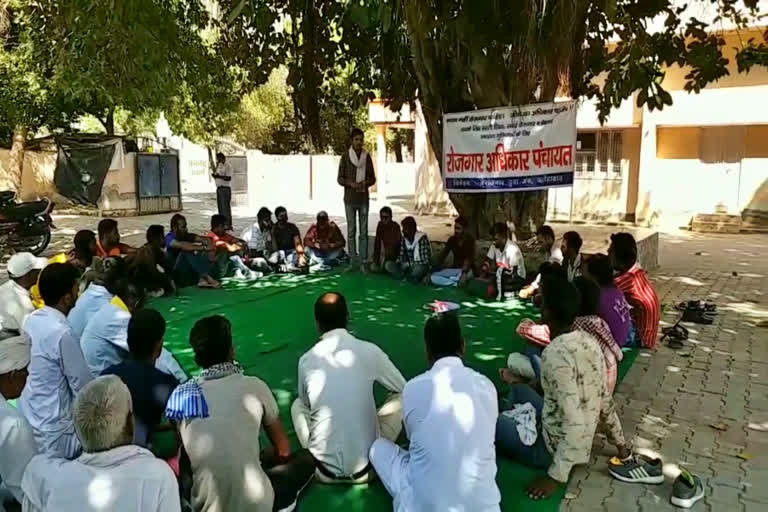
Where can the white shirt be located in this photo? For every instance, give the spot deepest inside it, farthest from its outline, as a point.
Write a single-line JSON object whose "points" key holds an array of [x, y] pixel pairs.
{"points": [[89, 303], [336, 381], [223, 170], [126, 479], [450, 415], [105, 343], [556, 254], [57, 372], [15, 305], [511, 257], [254, 237], [17, 447]]}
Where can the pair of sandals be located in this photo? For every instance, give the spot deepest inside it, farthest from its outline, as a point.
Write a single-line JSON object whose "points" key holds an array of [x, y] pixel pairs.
{"points": [[675, 336], [698, 311]]}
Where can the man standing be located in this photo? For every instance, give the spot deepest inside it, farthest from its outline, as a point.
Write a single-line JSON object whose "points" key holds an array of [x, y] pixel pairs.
{"points": [[57, 368], [15, 300], [335, 416], [223, 177], [356, 175], [450, 417], [324, 242], [461, 248]]}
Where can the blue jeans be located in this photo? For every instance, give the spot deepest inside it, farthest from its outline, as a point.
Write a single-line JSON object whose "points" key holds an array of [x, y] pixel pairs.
{"points": [[357, 216], [190, 267], [507, 438]]}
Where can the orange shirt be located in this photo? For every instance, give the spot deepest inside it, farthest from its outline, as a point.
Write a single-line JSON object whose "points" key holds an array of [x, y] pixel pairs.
{"points": [[101, 253]]}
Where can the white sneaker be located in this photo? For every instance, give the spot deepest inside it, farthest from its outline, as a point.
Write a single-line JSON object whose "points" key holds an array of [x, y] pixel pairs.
{"points": [[239, 274], [255, 275]]}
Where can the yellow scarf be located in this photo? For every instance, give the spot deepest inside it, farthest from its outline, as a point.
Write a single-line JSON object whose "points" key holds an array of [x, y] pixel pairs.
{"points": [[117, 301], [34, 292]]}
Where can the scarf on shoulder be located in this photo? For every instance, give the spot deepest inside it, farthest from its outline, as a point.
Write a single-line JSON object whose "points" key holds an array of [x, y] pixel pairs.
{"points": [[188, 401], [359, 163]]}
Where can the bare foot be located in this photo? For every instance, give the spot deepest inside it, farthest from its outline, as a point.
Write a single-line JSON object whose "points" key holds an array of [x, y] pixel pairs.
{"points": [[212, 282], [202, 283], [509, 377]]}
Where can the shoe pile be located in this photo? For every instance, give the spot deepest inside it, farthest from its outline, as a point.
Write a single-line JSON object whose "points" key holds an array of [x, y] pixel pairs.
{"points": [[636, 469], [698, 311]]}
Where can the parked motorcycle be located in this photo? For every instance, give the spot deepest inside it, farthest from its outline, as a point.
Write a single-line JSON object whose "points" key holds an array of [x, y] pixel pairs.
{"points": [[24, 226]]}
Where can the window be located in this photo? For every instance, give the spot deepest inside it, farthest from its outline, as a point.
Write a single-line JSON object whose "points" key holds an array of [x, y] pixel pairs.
{"points": [[599, 152]]}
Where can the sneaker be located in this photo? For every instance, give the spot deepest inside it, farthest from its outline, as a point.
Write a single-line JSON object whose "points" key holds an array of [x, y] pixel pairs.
{"points": [[239, 275], [687, 490], [254, 275], [636, 470]]}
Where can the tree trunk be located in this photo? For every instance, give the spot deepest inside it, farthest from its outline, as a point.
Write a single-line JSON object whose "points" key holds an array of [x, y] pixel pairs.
{"points": [[16, 164], [310, 76], [398, 146], [109, 125]]}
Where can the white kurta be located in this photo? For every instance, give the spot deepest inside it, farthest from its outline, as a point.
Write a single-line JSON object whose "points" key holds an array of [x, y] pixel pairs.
{"points": [[125, 479], [511, 256], [89, 303], [15, 306], [17, 447]]}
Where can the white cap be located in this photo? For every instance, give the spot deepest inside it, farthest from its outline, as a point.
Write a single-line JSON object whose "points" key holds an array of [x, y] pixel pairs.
{"points": [[23, 263]]}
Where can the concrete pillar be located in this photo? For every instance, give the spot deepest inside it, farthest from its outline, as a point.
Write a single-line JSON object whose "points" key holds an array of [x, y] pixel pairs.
{"points": [[381, 162]]}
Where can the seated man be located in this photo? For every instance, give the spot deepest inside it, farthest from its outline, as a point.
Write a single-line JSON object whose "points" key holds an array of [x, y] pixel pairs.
{"points": [[415, 254], [450, 418], [571, 248], [638, 289], [108, 243], [188, 256], [556, 431], [504, 266], [105, 339], [545, 238], [335, 416], [17, 443], [386, 245], [83, 256], [287, 242], [97, 294], [149, 268], [527, 368], [461, 248], [324, 242], [15, 300], [613, 306], [259, 240], [111, 474], [150, 388], [220, 415], [230, 250], [57, 368]]}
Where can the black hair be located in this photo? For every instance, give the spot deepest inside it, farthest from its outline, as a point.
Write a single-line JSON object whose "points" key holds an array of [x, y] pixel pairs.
{"points": [[600, 268], [355, 132], [561, 299], [462, 221], [155, 232], [115, 273], [546, 231], [175, 221], [218, 220], [442, 334], [386, 209], [322, 215], [624, 248], [500, 228], [56, 281], [220, 156], [573, 240], [279, 210], [106, 226], [409, 221], [129, 292], [263, 213], [211, 340], [552, 268], [589, 295], [145, 330], [331, 312], [83, 240]]}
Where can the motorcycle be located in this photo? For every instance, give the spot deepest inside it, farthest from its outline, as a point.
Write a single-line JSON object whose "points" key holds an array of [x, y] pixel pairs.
{"points": [[24, 226]]}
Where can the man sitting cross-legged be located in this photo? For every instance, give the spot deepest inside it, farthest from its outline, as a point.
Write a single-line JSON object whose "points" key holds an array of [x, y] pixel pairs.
{"points": [[504, 266], [259, 239], [111, 271], [415, 254], [188, 255], [109, 243], [15, 300], [230, 249], [150, 388], [220, 415], [286, 241], [386, 245], [556, 431], [324, 242], [450, 416], [112, 473], [461, 248], [553, 252], [105, 339], [335, 415], [149, 268]]}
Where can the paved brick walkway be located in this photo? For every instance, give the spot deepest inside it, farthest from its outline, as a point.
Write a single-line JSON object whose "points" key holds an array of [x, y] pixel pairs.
{"points": [[670, 400]]}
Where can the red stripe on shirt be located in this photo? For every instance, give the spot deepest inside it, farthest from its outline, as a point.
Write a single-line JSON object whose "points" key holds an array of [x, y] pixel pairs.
{"points": [[646, 308]]}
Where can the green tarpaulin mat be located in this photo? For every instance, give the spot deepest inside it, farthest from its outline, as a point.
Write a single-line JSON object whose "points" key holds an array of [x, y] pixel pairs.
{"points": [[273, 325]]}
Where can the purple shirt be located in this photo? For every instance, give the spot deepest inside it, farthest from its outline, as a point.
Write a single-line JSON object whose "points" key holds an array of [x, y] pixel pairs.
{"points": [[614, 309]]}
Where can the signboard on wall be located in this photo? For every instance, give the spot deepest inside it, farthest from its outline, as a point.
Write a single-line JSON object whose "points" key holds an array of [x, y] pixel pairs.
{"points": [[528, 147]]}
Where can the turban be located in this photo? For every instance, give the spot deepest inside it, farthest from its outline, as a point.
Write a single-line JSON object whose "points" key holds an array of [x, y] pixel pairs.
{"points": [[14, 354]]}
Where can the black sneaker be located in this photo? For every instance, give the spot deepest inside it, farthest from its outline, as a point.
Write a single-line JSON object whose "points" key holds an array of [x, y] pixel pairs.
{"points": [[687, 490], [636, 470]]}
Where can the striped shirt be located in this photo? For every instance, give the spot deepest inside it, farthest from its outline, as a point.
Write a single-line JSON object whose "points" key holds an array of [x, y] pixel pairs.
{"points": [[646, 309]]}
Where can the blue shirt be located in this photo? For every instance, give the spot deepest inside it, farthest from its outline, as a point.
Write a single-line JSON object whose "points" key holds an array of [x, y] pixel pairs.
{"points": [[89, 303], [105, 338]]}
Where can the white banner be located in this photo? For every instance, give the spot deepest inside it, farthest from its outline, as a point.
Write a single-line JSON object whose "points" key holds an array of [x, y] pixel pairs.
{"points": [[526, 147]]}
